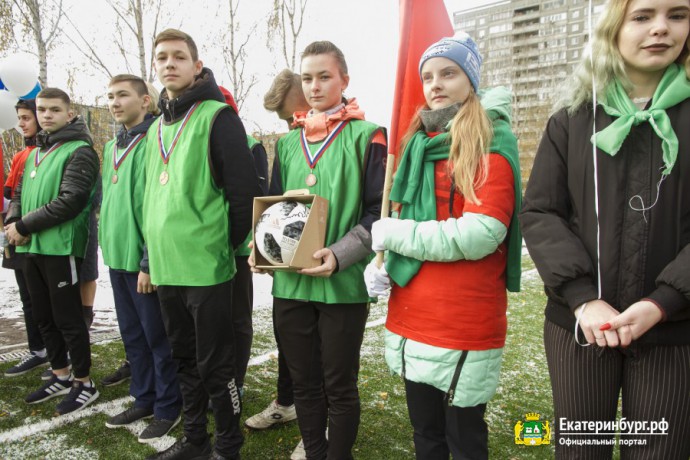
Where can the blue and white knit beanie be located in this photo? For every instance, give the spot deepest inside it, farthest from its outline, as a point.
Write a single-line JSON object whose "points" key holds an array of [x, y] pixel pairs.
{"points": [[460, 49]]}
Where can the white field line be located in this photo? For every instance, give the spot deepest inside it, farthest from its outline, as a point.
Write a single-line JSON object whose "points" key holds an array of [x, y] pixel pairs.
{"points": [[108, 407], [16, 345], [116, 406]]}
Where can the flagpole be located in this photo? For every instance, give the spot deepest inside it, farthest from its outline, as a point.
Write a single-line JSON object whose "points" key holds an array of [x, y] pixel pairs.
{"points": [[422, 22], [386, 203]]}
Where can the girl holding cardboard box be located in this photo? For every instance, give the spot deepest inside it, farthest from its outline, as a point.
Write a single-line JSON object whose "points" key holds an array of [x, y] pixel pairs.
{"points": [[320, 312]]}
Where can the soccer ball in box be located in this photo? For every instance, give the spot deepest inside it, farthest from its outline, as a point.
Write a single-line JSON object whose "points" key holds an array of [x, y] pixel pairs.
{"points": [[279, 230]]}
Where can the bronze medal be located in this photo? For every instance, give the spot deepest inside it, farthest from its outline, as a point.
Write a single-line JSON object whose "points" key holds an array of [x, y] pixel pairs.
{"points": [[164, 178], [311, 180], [313, 158], [118, 157], [33, 174]]}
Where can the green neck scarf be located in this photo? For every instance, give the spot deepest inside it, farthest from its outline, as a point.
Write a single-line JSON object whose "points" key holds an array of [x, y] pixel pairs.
{"points": [[414, 188], [673, 89]]}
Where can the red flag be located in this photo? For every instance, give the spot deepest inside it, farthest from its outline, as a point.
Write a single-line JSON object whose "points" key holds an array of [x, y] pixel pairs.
{"points": [[422, 23]]}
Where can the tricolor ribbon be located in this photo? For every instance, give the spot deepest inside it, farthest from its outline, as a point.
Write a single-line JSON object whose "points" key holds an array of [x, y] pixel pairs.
{"points": [[165, 153], [312, 159], [118, 159]]}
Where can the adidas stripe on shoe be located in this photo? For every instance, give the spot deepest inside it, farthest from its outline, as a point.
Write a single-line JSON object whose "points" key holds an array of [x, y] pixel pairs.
{"points": [[78, 398], [54, 387]]}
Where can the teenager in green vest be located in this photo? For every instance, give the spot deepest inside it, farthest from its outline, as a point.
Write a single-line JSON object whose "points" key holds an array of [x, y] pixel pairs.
{"points": [[320, 313], [38, 356], [49, 222], [154, 385], [198, 198]]}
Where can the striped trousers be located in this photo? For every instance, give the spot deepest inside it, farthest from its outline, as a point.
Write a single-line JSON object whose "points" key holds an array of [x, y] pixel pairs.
{"points": [[586, 383]]}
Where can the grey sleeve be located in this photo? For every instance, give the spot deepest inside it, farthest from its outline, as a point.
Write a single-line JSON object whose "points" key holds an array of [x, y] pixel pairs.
{"points": [[353, 247]]}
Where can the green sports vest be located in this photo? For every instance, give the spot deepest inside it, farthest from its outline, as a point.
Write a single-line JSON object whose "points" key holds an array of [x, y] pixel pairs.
{"points": [[243, 249], [186, 225], [120, 226], [340, 179], [68, 238]]}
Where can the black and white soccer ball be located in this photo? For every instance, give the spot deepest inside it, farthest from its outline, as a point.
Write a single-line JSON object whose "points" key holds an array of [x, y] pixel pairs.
{"points": [[279, 230]]}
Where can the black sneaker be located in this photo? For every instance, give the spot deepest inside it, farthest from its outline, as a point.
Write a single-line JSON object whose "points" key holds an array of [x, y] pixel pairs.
{"points": [[130, 415], [216, 456], [157, 429], [28, 362], [54, 387], [122, 374], [48, 373], [78, 398], [184, 450]]}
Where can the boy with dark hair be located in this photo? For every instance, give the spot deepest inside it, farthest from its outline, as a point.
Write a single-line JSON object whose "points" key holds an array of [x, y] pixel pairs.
{"points": [[200, 184], [26, 113], [48, 220], [154, 383]]}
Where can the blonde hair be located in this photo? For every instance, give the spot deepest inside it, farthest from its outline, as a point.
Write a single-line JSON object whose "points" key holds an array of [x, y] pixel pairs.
{"points": [[155, 96], [471, 133], [280, 88], [602, 61]]}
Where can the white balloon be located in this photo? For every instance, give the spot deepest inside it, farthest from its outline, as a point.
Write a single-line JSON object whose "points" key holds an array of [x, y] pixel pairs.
{"points": [[8, 114], [19, 73]]}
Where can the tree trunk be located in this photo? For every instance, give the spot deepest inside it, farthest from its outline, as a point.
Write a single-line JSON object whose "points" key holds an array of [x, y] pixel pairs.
{"points": [[35, 13], [138, 18]]}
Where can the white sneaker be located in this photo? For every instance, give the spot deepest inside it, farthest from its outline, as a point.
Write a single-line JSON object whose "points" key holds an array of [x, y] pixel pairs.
{"points": [[299, 453], [273, 414]]}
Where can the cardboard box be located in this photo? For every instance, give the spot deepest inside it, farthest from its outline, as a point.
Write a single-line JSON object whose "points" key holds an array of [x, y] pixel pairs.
{"points": [[313, 235]]}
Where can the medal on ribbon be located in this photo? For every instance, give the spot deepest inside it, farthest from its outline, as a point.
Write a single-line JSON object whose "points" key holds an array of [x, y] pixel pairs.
{"points": [[38, 160], [118, 158], [314, 158], [166, 152]]}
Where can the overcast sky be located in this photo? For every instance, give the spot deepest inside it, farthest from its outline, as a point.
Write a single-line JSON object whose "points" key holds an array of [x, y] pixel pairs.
{"points": [[366, 31]]}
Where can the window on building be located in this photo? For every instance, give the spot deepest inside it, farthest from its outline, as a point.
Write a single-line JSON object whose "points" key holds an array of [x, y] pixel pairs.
{"points": [[467, 24], [553, 4], [553, 18], [500, 28], [575, 28], [501, 15]]}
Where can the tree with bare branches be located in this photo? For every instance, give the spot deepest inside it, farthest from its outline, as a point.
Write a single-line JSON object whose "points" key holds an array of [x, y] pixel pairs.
{"points": [[285, 22], [132, 18], [42, 19], [6, 25], [132, 15], [235, 56]]}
